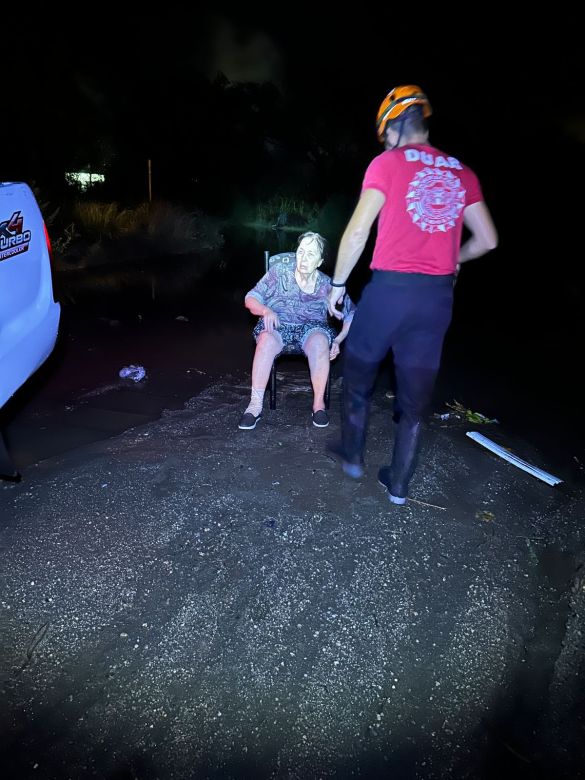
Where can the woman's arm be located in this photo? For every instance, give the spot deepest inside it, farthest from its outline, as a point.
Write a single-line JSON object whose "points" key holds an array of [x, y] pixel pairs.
{"points": [[263, 291], [334, 351], [271, 321], [343, 332]]}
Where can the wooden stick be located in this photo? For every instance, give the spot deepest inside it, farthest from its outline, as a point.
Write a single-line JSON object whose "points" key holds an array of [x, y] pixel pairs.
{"points": [[424, 503]]}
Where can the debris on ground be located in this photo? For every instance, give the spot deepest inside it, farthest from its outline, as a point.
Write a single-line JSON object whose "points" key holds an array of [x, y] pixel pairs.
{"points": [[135, 373], [504, 453], [461, 412]]}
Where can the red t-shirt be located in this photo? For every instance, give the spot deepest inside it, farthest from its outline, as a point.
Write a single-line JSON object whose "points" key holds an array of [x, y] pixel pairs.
{"points": [[420, 224]]}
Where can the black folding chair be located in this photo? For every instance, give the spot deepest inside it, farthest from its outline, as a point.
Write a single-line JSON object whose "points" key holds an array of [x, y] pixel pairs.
{"points": [[287, 259]]}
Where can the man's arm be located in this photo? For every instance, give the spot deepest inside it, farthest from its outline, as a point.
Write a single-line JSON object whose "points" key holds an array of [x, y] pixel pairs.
{"points": [[353, 242], [484, 237]]}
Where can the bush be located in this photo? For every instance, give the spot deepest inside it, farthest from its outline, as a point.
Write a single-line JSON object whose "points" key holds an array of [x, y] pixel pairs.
{"points": [[154, 251], [151, 228], [280, 211]]}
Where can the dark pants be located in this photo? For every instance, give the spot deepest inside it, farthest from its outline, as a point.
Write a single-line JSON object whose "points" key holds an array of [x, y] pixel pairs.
{"points": [[408, 314]]}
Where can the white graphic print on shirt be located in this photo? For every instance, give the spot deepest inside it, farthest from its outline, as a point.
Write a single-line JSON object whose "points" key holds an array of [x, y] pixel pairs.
{"points": [[434, 199]]}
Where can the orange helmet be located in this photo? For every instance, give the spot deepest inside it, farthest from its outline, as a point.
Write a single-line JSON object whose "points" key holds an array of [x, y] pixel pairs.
{"points": [[397, 101]]}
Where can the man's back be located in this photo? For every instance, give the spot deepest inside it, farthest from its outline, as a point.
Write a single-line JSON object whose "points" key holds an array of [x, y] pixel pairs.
{"points": [[420, 223]]}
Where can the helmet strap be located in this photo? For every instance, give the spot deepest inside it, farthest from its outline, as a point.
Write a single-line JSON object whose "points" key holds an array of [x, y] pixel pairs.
{"points": [[400, 129]]}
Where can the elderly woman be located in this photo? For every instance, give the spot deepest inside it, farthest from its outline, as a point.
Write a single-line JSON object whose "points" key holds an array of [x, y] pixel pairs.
{"points": [[292, 306]]}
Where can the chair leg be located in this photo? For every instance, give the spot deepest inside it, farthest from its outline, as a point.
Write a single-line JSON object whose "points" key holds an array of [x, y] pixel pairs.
{"points": [[328, 391], [273, 386]]}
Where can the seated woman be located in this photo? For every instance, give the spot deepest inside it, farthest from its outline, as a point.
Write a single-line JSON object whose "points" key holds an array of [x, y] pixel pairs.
{"points": [[292, 306]]}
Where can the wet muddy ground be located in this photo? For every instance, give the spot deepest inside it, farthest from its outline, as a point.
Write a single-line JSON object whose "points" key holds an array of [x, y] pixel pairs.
{"points": [[183, 599]]}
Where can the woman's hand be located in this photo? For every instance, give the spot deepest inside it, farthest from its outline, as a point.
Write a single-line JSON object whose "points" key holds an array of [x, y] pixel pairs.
{"points": [[271, 321], [334, 351]]}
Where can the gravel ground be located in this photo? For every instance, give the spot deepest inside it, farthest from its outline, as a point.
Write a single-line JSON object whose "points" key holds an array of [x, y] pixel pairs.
{"points": [[190, 600]]}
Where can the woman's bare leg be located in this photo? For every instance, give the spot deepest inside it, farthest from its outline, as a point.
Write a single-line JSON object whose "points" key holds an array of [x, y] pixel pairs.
{"points": [[316, 349], [268, 346]]}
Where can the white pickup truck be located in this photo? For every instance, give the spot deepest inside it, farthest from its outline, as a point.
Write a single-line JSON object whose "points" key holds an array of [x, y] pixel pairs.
{"points": [[29, 316]]}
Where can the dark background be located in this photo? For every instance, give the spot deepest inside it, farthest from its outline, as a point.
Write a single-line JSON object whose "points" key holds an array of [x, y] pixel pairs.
{"points": [[237, 104]]}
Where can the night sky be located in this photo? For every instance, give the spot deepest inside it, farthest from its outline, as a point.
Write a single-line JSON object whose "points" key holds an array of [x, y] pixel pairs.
{"points": [[212, 96], [237, 104]]}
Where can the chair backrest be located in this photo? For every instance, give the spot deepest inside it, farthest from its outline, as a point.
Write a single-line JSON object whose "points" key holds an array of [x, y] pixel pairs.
{"points": [[287, 259], [283, 258]]}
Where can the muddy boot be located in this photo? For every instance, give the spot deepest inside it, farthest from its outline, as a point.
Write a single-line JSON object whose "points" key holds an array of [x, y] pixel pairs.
{"points": [[358, 383], [406, 445]]}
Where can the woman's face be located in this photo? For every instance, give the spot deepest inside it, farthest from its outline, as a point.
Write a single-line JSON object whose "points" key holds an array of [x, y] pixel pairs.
{"points": [[308, 256]]}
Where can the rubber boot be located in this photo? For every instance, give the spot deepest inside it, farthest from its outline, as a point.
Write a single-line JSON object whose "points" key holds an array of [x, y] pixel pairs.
{"points": [[358, 382], [404, 460]]}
